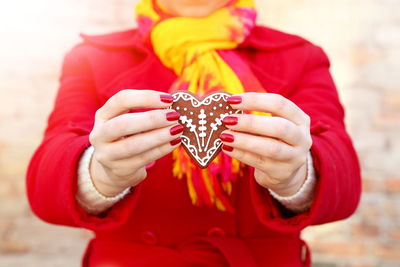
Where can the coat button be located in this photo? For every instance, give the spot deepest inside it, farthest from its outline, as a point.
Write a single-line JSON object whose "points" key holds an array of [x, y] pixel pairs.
{"points": [[216, 231], [150, 238]]}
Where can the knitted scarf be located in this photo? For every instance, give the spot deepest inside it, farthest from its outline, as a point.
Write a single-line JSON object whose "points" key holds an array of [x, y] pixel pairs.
{"points": [[201, 53]]}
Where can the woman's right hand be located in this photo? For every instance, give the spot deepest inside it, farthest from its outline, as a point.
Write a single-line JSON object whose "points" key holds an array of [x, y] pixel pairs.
{"points": [[124, 143]]}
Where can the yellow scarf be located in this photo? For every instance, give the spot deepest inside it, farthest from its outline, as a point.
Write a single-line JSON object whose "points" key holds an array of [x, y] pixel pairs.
{"points": [[199, 51]]}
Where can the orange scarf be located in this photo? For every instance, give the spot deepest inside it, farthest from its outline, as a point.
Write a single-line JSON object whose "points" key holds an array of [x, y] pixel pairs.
{"points": [[201, 53]]}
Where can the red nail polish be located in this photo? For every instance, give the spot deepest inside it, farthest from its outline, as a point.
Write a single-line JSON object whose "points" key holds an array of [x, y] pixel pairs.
{"points": [[227, 148], [166, 99], [176, 129], [172, 116], [227, 137], [230, 120], [234, 100], [176, 141]]}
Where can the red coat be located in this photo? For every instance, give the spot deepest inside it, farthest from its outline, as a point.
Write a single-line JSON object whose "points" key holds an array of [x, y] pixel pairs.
{"points": [[156, 225]]}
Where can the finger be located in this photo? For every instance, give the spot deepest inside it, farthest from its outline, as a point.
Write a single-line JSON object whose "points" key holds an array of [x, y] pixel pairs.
{"points": [[263, 146], [128, 99], [275, 127], [126, 166], [140, 143], [274, 168], [270, 103], [133, 123]]}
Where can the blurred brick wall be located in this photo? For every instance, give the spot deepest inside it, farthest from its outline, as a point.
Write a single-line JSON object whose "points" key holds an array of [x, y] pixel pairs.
{"points": [[362, 39]]}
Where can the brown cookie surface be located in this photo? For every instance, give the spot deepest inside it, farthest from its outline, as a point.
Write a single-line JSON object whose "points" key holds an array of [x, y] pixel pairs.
{"points": [[202, 122]]}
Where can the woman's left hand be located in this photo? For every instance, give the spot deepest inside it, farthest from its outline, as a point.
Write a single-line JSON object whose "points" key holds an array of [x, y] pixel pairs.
{"points": [[276, 146]]}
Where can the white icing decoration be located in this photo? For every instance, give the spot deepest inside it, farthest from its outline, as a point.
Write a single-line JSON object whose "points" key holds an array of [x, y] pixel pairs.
{"points": [[199, 131], [203, 128]]}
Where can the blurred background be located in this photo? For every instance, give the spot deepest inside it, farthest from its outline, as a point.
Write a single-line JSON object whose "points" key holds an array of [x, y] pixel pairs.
{"points": [[362, 39]]}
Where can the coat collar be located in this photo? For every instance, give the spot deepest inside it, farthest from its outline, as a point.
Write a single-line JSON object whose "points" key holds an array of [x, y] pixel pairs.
{"points": [[122, 39], [262, 38]]}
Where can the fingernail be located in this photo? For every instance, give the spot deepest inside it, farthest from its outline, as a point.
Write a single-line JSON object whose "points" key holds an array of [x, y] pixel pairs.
{"points": [[176, 141], [172, 116], [234, 100], [230, 120], [166, 99], [227, 148], [227, 137], [176, 129]]}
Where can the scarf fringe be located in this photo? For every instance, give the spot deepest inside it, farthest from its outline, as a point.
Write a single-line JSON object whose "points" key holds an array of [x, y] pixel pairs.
{"points": [[192, 48], [208, 187]]}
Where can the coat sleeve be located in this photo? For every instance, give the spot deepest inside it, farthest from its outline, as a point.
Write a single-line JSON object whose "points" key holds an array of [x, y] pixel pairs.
{"points": [[52, 172], [338, 188]]}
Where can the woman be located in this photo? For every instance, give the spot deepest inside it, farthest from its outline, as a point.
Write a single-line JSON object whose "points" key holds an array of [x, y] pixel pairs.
{"points": [[111, 154]]}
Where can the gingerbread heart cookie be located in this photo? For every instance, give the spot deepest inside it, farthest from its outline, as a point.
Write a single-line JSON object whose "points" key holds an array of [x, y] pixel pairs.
{"points": [[202, 122]]}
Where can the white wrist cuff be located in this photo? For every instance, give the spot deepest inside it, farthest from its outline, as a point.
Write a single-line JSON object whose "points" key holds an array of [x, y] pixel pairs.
{"points": [[87, 195], [302, 199]]}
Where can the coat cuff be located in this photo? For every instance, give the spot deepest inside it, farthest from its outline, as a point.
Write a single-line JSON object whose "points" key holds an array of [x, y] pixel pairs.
{"points": [[116, 216], [87, 195], [301, 201], [274, 215]]}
